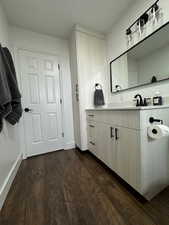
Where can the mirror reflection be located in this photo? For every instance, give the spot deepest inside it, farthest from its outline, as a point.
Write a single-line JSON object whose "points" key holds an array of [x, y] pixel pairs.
{"points": [[146, 63]]}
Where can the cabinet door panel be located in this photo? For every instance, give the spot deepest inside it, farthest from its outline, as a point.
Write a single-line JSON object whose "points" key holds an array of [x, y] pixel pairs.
{"points": [[134, 159], [122, 153], [127, 147], [106, 144]]}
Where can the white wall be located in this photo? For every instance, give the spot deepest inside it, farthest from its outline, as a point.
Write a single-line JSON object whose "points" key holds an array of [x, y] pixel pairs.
{"points": [[133, 72], [25, 39], [159, 59], [9, 145], [116, 44], [120, 72]]}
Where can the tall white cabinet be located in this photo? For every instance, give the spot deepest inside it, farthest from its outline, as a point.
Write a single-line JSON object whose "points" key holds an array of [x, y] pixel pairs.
{"points": [[88, 66]]}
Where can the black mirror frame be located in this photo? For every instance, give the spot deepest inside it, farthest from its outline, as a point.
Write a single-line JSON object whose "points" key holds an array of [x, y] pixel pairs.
{"points": [[141, 85]]}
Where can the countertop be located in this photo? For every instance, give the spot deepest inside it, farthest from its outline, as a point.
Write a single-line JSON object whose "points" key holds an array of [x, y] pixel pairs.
{"points": [[127, 108]]}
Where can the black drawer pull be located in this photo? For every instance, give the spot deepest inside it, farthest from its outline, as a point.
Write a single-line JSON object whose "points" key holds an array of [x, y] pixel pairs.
{"points": [[92, 143], [116, 133], [111, 132], [91, 115], [91, 126]]}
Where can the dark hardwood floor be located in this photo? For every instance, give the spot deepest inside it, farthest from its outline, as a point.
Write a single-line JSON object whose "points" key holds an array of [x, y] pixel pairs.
{"points": [[73, 188]]}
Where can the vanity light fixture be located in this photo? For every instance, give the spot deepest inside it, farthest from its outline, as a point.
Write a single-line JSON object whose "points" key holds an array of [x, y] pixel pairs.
{"points": [[150, 20]]}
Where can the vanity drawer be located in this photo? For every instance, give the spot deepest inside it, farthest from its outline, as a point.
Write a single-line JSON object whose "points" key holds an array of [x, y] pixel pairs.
{"points": [[123, 118], [91, 130], [91, 115]]}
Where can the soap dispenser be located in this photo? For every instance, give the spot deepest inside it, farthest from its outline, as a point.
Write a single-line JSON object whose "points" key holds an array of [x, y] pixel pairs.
{"points": [[157, 100]]}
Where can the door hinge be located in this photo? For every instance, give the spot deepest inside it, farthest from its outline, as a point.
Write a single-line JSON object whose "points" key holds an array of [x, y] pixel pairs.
{"points": [[60, 101], [58, 66], [63, 134]]}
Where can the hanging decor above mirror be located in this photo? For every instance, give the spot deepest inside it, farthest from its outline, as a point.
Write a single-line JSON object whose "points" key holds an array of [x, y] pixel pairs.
{"points": [[146, 24]]}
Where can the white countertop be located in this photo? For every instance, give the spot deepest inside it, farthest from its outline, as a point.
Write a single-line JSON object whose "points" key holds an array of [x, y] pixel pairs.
{"points": [[128, 108]]}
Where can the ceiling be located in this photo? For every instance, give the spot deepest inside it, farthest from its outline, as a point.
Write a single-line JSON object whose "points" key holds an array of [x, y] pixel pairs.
{"points": [[57, 17]]}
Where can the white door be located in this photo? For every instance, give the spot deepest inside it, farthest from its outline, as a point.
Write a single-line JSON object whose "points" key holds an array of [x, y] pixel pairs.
{"points": [[40, 84]]}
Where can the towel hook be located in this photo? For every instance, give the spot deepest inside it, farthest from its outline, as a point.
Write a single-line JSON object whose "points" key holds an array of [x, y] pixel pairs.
{"points": [[98, 85]]}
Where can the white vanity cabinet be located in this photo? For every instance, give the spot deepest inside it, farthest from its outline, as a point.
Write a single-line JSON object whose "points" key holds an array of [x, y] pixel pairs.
{"points": [[92, 137], [105, 144], [119, 139], [127, 155]]}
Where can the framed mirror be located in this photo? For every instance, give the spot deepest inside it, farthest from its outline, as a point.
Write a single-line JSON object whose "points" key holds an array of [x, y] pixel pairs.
{"points": [[146, 63]]}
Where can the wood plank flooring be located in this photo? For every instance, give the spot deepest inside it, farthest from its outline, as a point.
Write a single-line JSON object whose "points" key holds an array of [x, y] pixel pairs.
{"points": [[73, 188]]}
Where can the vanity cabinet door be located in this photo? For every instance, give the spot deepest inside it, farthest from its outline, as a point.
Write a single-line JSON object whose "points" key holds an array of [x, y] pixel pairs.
{"points": [[127, 150], [106, 148]]}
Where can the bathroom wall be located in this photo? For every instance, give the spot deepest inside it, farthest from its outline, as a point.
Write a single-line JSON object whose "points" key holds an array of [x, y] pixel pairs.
{"points": [[28, 40], [120, 72], [159, 60], [116, 44], [9, 145]]}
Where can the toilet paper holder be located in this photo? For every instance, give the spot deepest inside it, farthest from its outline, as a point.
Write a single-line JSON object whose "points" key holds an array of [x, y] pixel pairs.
{"points": [[152, 120]]}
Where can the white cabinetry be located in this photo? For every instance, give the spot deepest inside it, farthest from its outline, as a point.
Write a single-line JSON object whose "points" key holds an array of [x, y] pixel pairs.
{"points": [[119, 139], [127, 147], [88, 66], [105, 143]]}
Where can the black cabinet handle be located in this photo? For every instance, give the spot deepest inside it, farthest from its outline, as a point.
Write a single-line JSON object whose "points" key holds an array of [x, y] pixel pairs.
{"points": [[111, 132], [27, 110], [92, 143], [116, 134], [91, 126], [91, 115]]}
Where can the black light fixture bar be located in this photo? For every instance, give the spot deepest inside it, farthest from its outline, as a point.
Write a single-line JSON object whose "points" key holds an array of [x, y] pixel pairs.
{"points": [[151, 7]]}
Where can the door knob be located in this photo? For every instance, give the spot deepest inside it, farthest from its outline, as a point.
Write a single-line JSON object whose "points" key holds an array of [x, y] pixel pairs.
{"points": [[27, 110]]}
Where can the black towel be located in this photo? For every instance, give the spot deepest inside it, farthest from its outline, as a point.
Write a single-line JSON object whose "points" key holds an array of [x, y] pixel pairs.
{"points": [[16, 113], [5, 94], [99, 97], [1, 124]]}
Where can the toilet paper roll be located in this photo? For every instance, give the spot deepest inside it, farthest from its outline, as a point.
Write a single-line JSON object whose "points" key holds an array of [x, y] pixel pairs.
{"points": [[158, 131]]}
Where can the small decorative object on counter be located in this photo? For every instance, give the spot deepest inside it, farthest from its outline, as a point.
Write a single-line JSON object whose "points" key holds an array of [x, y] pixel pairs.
{"points": [[147, 23], [154, 79], [98, 95], [157, 100]]}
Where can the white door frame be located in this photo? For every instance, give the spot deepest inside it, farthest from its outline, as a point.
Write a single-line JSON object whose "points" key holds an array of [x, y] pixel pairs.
{"points": [[22, 141]]}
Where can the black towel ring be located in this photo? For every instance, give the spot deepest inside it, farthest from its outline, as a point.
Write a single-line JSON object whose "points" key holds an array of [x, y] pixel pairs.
{"points": [[98, 85]]}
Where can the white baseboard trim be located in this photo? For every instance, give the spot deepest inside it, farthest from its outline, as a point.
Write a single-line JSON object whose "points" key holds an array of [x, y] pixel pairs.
{"points": [[8, 181], [69, 146]]}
